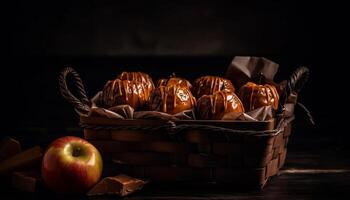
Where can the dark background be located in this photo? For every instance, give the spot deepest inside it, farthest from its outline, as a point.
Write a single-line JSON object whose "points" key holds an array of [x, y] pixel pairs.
{"points": [[191, 38]]}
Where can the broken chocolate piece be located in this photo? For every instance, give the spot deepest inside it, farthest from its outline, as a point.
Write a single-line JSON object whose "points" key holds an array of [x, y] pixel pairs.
{"points": [[9, 147], [121, 185], [26, 181], [25, 159]]}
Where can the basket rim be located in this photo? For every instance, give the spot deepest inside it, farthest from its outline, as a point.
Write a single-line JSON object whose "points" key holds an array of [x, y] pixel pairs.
{"points": [[271, 127]]}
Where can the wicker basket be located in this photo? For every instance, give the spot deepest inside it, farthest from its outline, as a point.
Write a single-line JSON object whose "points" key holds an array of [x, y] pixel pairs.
{"points": [[239, 152]]}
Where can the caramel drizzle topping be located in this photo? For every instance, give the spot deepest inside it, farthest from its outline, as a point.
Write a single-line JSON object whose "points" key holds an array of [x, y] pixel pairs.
{"points": [[216, 84], [218, 98], [171, 92], [214, 99], [274, 94], [145, 79], [269, 92], [135, 92], [175, 81]]}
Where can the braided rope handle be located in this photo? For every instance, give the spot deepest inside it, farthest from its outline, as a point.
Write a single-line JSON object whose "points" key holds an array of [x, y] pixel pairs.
{"points": [[82, 103], [294, 84]]}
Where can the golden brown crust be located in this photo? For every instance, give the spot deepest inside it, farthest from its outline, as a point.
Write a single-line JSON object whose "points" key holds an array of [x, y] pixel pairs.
{"points": [[171, 99], [215, 106], [208, 85], [255, 96]]}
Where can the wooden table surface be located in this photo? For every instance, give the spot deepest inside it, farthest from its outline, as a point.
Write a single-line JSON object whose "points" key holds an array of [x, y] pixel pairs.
{"points": [[315, 169]]}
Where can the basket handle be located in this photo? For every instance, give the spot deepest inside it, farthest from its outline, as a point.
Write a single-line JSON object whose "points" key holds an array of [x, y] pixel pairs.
{"points": [[81, 104], [294, 84]]}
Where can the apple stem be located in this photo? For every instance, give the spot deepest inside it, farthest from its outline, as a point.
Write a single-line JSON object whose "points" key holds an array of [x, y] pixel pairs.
{"points": [[76, 152]]}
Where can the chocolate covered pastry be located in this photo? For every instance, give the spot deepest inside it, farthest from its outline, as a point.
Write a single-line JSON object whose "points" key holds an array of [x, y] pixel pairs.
{"points": [[207, 85], [215, 106], [144, 78], [121, 92], [174, 81], [171, 99], [254, 96]]}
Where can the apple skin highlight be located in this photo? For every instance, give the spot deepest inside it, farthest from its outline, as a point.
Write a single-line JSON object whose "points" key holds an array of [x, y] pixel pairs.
{"points": [[71, 165]]}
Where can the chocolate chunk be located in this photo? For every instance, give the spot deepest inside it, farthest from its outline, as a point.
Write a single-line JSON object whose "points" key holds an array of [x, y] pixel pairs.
{"points": [[121, 185], [24, 160], [26, 181], [9, 147]]}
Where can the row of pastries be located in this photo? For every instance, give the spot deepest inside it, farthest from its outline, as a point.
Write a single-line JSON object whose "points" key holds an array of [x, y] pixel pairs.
{"points": [[210, 96]]}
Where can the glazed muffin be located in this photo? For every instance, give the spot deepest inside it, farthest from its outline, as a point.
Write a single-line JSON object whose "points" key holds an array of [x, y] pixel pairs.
{"points": [[215, 106], [171, 99], [121, 92], [141, 77], [254, 96], [208, 85], [174, 81]]}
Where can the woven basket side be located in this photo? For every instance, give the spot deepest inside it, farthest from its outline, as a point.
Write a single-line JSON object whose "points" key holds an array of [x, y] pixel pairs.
{"points": [[195, 156]]}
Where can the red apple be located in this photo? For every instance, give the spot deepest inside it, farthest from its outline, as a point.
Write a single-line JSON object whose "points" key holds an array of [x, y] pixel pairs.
{"points": [[71, 165]]}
